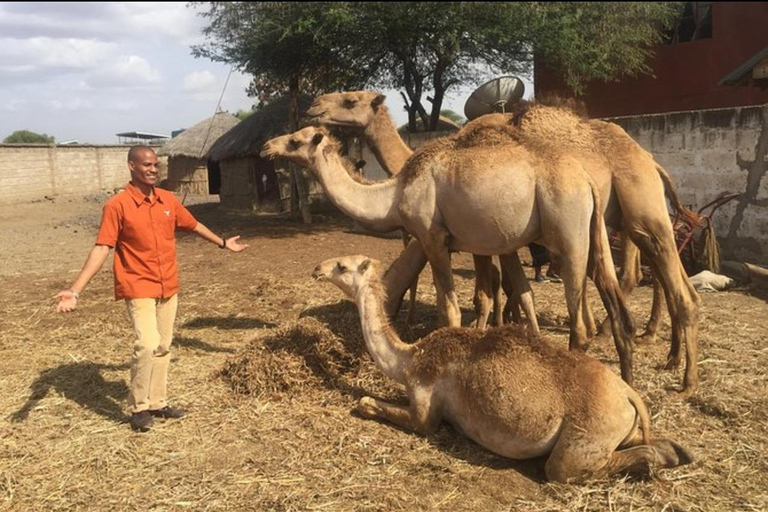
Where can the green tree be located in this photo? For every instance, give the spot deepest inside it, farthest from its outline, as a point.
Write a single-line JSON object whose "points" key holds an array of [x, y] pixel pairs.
{"points": [[453, 116], [426, 46], [244, 114], [28, 137]]}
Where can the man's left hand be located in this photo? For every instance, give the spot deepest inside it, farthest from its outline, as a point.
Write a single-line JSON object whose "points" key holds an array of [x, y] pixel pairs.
{"points": [[233, 245]]}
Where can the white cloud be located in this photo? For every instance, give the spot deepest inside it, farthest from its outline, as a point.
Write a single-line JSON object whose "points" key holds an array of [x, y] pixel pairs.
{"points": [[127, 72], [14, 105], [198, 81], [39, 53], [112, 21], [71, 105]]}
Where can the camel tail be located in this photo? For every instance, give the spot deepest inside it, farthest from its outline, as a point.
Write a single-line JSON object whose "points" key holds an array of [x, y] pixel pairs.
{"points": [[642, 411], [670, 190], [604, 277]]}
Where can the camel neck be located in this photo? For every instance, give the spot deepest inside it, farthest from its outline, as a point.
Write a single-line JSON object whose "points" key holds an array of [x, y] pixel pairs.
{"points": [[387, 145], [373, 205], [388, 351]]}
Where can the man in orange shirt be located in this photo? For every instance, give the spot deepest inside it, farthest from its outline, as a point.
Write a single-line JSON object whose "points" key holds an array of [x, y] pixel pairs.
{"points": [[139, 223]]}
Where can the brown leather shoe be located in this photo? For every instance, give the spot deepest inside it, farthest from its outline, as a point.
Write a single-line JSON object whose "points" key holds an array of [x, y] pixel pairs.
{"points": [[141, 421], [167, 412]]}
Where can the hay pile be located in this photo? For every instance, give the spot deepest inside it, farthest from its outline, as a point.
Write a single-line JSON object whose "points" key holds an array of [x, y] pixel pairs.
{"points": [[302, 356]]}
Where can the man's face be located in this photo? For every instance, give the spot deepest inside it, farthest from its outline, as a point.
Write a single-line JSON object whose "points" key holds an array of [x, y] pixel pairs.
{"points": [[144, 168]]}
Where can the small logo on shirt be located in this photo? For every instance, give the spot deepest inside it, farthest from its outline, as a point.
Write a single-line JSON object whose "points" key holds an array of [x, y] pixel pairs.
{"points": [[167, 213]]}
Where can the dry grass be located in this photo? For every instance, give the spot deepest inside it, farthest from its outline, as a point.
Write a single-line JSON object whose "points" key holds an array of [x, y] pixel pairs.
{"points": [[270, 365]]}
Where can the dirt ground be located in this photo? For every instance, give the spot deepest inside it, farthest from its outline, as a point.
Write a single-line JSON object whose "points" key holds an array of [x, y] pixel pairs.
{"points": [[293, 442]]}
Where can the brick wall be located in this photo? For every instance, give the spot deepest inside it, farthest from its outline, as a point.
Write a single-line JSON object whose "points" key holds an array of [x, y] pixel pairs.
{"points": [[709, 152], [32, 172]]}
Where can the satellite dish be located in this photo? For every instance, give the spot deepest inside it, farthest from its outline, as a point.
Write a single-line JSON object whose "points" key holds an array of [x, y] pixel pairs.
{"points": [[498, 95]]}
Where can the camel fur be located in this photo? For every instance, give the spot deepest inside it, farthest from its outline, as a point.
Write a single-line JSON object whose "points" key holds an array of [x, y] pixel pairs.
{"points": [[632, 185], [528, 196], [512, 393], [365, 112]]}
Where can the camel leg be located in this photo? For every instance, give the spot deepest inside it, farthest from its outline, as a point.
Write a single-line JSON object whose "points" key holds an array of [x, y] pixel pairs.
{"points": [[574, 277], [414, 285], [604, 276], [521, 288], [682, 300], [423, 418], [498, 314], [631, 274], [649, 335], [589, 316], [511, 307], [484, 293], [435, 245], [401, 274]]}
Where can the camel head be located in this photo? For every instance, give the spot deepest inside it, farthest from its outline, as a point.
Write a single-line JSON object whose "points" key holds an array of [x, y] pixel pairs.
{"points": [[350, 273], [355, 109], [300, 147]]}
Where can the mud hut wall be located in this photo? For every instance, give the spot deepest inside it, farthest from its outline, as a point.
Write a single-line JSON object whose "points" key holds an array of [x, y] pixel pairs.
{"points": [[188, 175], [709, 152], [237, 191], [32, 172]]}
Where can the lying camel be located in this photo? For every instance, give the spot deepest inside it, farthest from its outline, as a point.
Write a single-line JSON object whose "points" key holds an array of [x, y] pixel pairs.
{"points": [[632, 185], [365, 112], [525, 196], [512, 393]]}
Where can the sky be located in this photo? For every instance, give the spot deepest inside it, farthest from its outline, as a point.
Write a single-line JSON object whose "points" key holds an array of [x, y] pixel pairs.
{"points": [[87, 71]]}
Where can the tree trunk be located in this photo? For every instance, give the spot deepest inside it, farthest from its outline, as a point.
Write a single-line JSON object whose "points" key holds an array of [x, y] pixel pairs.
{"points": [[298, 182]]}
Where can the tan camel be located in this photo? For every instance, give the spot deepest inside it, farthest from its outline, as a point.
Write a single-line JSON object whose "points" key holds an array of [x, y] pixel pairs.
{"points": [[632, 185], [526, 196], [512, 393], [633, 188], [365, 112]]}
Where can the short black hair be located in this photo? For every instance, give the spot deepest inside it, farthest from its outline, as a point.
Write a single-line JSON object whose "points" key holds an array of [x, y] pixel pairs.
{"points": [[133, 153]]}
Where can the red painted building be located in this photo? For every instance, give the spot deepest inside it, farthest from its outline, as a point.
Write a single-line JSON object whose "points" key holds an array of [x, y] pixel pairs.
{"points": [[714, 44]]}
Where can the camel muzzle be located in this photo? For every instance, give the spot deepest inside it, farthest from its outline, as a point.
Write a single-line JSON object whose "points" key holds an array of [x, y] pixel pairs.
{"points": [[319, 275]]}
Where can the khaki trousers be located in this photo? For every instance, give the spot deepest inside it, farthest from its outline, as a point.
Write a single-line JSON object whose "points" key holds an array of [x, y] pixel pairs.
{"points": [[153, 327]]}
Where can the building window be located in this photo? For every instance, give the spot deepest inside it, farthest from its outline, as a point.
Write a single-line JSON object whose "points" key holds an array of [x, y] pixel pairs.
{"points": [[694, 23]]}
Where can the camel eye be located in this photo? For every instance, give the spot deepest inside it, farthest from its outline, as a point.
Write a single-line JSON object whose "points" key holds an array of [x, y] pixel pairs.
{"points": [[341, 268], [348, 103], [293, 144]]}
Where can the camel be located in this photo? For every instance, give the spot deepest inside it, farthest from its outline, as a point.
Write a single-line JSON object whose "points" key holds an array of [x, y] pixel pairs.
{"points": [[365, 112], [633, 189], [526, 196], [513, 393]]}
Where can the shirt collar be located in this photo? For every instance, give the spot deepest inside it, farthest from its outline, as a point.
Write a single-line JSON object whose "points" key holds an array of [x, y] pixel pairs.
{"points": [[139, 197]]}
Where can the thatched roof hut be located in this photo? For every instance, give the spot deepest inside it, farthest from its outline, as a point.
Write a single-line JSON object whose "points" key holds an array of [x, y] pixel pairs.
{"points": [[189, 168], [249, 182]]}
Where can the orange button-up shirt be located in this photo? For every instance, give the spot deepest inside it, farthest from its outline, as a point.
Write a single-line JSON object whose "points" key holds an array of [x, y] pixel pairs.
{"points": [[142, 233]]}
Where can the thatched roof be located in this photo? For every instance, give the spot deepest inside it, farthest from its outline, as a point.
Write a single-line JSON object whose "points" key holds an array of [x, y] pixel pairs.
{"points": [[195, 142], [249, 136]]}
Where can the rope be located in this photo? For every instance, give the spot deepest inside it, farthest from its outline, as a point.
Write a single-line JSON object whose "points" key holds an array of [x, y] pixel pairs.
{"points": [[710, 254], [218, 105]]}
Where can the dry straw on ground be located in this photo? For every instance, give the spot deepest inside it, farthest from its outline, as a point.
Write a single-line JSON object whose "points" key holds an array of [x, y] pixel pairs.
{"points": [[292, 348]]}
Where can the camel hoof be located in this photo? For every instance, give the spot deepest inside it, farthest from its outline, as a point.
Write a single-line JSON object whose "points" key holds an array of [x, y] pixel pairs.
{"points": [[672, 454], [367, 407]]}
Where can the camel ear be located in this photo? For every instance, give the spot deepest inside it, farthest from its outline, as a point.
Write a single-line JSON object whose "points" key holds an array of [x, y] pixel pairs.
{"points": [[378, 100], [364, 266], [317, 138]]}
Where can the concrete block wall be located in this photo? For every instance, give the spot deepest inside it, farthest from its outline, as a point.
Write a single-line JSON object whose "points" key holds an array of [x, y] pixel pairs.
{"points": [[709, 153], [32, 172]]}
